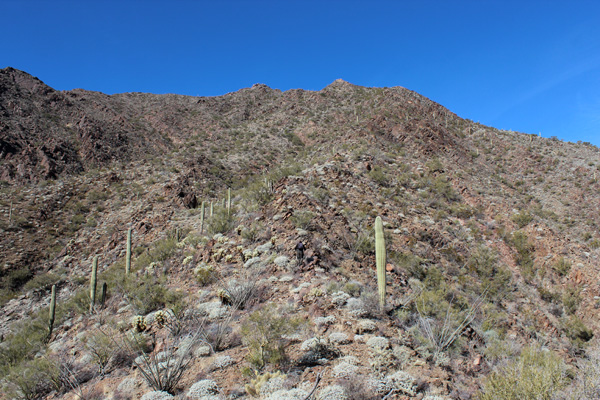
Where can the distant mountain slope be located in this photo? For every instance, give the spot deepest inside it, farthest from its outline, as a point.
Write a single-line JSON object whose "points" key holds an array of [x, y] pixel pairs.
{"points": [[475, 218]]}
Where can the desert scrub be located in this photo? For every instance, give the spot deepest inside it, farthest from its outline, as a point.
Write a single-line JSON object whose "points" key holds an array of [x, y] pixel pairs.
{"points": [[303, 219], [571, 298], [562, 266], [522, 219], [576, 330], [495, 278], [149, 293], [263, 333], [32, 380], [535, 375], [221, 221], [524, 256], [161, 251]]}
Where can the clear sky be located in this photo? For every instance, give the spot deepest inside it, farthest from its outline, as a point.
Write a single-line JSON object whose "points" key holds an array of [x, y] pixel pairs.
{"points": [[528, 66]]}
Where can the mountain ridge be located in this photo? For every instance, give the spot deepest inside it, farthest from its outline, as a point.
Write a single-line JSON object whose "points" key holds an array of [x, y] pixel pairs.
{"points": [[472, 215]]}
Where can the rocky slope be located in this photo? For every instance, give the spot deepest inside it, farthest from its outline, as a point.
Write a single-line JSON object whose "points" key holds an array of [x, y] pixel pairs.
{"points": [[495, 228]]}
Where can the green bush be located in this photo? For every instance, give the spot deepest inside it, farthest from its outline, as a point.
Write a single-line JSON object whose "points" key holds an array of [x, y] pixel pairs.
{"points": [[32, 380], [221, 221], [524, 258], [576, 330], [303, 219], [495, 278], [562, 267], [149, 293], [571, 300], [535, 375], [522, 219], [42, 281], [161, 251], [16, 278], [263, 332]]}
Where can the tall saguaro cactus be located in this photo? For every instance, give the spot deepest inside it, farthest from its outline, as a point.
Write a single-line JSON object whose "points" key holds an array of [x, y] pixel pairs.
{"points": [[202, 218], [380, 258], [229, 201], [128, 256], [93, 282], [52, 311]]}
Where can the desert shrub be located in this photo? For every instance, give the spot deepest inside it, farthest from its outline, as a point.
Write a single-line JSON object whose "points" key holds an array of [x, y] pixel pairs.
{"points": [[586, 383], [562, 266], [413, 265], [205, 274], [442, 317], [303, 219], [362, 241], [162, 371], [252, 233], [378, 175], [241, 291], [42, 281], [28, 337], [263, 333], [571, 299], [443, 188], [101, 348], [161, 251], [221, 221], [95, 196], [576, 330], [534, 375], [32, 380], [524, 257], [495, 278], [259, 193], [149, 293], [358, 389], [522, 219], [16, 278]]}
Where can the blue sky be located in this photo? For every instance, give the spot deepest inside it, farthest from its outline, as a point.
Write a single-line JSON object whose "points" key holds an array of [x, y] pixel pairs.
{"points": [[528, 66]]}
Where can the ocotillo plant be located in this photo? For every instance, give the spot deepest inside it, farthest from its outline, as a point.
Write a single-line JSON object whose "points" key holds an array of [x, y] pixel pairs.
{"points": [[128, 256], [380, 258], [52, 311], [202, 218], [93, 283]]}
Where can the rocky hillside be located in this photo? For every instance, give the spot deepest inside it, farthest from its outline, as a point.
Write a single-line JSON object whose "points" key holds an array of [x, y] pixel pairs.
{"points": [[491, 240]]}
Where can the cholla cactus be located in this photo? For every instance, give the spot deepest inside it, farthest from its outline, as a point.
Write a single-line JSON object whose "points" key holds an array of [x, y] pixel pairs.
{"points": [[224, 296], [161, 318], [253, 388], [139, 324]]}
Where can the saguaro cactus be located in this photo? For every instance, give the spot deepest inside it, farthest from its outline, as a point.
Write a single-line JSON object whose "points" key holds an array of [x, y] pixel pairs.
{"points": [[380, 258], [103, 294], [202, 218], [93, 283], [52, 311], [228, 201], [128, 256]]}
